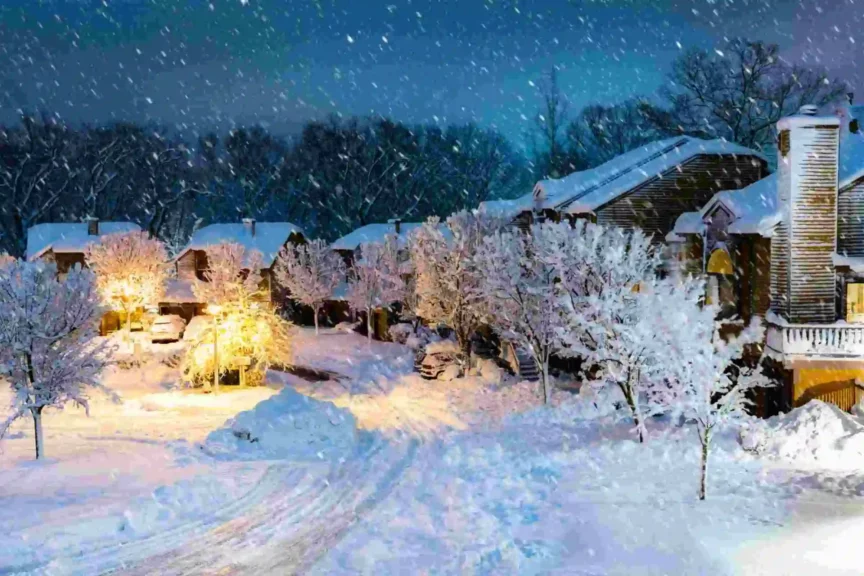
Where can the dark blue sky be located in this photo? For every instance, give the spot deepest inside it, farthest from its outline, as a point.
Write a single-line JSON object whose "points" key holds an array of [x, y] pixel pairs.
{"points": [[202, 64]]}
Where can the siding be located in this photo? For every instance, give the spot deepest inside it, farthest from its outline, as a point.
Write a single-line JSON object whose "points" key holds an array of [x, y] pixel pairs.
{"points": [[813, 219], [186, 266], [656, 204], [850, 220]]}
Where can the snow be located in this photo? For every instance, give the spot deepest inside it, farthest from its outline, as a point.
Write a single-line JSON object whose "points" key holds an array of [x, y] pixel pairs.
{"points": [[755, 206], [375, 234], [290, 426], [854, 263], [178, 291], [269, 238], [69, 237], [588, 190], [689, 223], [470, 476], [817, 434]]}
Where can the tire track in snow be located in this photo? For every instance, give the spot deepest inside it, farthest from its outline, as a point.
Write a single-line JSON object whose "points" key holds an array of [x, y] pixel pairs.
{"points": [[269, 531]]}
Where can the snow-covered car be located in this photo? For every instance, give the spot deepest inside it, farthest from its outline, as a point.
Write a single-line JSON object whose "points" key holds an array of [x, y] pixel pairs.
{"points": [[439, 359], [168, 328]]}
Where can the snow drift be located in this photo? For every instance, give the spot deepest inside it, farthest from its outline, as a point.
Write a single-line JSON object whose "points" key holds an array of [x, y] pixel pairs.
{"points": [[289, 426], [816, 433]]}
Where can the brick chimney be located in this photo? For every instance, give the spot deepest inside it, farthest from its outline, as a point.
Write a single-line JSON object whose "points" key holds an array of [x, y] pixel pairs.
{"points": [[802, 271], [397, 224], [249, 226], [92, 226]]}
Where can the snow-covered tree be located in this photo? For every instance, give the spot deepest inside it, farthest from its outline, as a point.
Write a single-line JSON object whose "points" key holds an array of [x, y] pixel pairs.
{"points": [[600, 271], [375, 279], [245, 330], [310, 273], [447, 281], [131, 269], [519, 292], [699, 376], [47, 351], [233, 276]]}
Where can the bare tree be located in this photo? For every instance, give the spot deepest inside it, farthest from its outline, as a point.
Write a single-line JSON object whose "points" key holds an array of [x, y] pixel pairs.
{"points": [[602, 132], [739, 93]]}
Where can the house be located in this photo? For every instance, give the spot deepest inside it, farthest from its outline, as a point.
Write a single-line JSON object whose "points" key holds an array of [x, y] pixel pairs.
{"points": [[790, 249], [268, 238], [347, 246], [646, 188], [65, 244]]}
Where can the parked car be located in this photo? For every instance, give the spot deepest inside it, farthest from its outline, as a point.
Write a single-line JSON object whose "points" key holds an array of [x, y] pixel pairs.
{"points": [[168, 328], [439, 360]]}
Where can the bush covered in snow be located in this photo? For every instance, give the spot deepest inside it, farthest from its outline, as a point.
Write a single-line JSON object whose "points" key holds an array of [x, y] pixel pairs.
{"points": [[290, 426], [816, 433]]}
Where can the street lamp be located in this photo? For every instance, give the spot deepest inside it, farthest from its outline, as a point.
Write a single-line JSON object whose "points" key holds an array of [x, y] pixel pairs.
{"points": [[215, 310]]}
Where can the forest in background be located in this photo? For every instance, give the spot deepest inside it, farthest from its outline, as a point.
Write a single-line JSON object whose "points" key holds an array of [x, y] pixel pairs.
{"points": [[341, 173]]}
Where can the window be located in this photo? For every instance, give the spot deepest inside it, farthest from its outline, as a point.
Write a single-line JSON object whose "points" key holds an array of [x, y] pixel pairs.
{"points": [[855, 302]]}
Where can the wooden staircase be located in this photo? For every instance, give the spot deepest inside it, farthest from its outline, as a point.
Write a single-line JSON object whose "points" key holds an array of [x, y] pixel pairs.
{"points": [[527, 368]]}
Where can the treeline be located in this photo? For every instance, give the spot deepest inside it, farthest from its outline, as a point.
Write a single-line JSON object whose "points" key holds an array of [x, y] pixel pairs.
{"points": [[736, 92], [340, 174], [335, 176]]}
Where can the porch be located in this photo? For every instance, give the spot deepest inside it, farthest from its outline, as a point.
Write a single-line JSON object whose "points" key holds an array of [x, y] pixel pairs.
{"points": [[816, 341]]}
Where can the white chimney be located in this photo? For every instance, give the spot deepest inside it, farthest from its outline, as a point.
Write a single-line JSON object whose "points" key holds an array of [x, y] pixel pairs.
{"points": [[802, 271], [397, 224], [249, 226]]}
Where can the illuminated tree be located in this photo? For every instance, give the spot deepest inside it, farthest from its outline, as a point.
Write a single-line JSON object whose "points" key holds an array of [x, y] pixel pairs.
{"points": [[131, 269], [246, 332], [47, 351]]}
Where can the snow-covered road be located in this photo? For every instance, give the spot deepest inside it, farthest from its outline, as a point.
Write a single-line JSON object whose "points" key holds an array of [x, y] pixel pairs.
{"points": [[286, 522]]}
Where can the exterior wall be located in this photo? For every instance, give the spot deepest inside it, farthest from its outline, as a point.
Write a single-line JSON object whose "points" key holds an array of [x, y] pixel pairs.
{"points": [[655, 205], [66, 261], [850, 220], [811, 379], [805, 280], [752, 259], [187, 266]]}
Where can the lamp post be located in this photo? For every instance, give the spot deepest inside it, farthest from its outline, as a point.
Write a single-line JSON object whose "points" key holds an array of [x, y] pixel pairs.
{"points": [[215, 310]]}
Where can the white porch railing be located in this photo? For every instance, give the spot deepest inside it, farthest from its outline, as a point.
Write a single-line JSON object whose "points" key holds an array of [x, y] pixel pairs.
{"points": [[817, 340]]}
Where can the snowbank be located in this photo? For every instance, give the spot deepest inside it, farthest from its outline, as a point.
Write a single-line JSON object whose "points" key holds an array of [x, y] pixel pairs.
{"points": [[289, 425], [817, 433]]}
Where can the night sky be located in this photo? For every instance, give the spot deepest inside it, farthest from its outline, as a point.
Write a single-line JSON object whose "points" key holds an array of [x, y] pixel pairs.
{"points": [[200, 65]]}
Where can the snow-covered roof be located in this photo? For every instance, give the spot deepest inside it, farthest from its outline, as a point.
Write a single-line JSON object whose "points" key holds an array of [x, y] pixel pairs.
{"points": [[68, 237], [689, 223], [179, 291], [856, 264], [755, 207], [375, 234], [269, 238], [588, 190]]}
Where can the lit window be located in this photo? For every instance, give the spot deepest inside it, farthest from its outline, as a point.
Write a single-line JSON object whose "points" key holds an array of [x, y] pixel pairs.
{"points": [[855, 302]]}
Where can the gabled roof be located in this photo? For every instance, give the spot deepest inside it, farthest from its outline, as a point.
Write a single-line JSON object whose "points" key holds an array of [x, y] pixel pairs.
{"points": [[755, 206], [69, 237], [269, 238], [375, 234], [588, 190]]}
